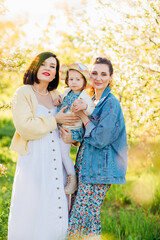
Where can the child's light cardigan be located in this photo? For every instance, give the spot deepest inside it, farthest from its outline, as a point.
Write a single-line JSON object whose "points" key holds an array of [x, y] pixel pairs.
{"points": [[28, 127]]}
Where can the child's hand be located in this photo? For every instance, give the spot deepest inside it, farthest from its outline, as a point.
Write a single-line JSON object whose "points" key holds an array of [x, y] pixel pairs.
{"points": [[58, 101], [78, 105]]}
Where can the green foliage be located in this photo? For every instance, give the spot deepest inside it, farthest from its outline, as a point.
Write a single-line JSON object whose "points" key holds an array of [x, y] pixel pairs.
{"points": [[129, 223], [155, 206], [4, 218], [7, 169]]}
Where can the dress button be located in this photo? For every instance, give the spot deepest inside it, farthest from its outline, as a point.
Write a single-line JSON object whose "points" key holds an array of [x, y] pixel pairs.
{"points": [[53, 150], [56, 178], [60, 217], [49, 111], [59, 198], [54, 159], [57, 188], [50, 131], [55, 169], [52, 140], [60, 207], [84, 163]]}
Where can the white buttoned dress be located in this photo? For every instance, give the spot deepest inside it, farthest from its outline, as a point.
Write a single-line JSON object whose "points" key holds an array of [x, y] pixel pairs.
{"points": [[39, 206]]}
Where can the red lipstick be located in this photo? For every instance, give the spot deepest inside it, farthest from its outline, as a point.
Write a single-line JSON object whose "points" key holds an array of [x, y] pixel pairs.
{"points": [[46, 74]]}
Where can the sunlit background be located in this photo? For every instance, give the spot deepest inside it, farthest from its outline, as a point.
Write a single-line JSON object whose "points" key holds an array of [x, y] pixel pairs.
{"points": [[36, 17], [128, 33]]}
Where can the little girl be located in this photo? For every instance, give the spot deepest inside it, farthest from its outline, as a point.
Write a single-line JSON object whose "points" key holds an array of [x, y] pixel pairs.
{"points": [[75, 76]]}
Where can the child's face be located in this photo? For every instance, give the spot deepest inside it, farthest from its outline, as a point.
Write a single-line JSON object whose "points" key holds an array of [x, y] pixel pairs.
{"points": [[76, 81]]}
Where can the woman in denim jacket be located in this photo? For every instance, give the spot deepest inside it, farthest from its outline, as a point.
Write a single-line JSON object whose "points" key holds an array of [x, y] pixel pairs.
{"points": [[102, 156]]}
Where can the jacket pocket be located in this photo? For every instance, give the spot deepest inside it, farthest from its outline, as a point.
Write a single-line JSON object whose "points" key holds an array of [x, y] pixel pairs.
{"points": [[90, 159], [105, 159]]}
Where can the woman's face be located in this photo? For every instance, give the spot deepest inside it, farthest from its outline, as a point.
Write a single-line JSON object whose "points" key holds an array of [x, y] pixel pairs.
{"points": [[100, 76], [47, 70]]}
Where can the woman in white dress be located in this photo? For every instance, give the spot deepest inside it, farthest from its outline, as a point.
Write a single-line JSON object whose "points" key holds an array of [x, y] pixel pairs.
{"points": [[39, 207]]}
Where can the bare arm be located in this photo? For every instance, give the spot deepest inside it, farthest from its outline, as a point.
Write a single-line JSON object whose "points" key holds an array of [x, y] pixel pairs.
{"points": [[66, 135], [83, 117], [80, 104], [78, 107], [66, 119], [58, 101]]}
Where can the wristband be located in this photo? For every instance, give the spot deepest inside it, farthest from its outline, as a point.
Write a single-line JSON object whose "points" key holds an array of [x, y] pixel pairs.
{"points": [[86, 124]]}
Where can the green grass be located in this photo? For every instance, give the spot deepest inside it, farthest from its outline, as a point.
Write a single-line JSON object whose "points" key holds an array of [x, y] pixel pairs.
{"points": [[8, 160], [129, 221], [129, 212]]}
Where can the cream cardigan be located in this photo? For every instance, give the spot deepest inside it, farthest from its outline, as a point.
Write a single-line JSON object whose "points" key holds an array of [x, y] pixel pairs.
{"points": [[28, 127]]}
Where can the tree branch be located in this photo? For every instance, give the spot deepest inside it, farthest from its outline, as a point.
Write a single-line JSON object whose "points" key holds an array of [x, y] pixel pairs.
{"points": [[153, 70], [157, 21], [152, 41]]}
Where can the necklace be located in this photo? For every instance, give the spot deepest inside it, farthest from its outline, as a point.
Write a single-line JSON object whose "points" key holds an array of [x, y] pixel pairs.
{"points": [[43, 94]]}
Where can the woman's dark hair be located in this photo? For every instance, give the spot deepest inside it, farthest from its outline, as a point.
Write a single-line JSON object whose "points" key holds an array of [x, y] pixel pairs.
{"points": [[30, 75], [100, 60]]}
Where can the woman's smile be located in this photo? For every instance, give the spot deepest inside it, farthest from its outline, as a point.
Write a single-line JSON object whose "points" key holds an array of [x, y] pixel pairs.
{"points": [[46, 74], [97, 83]]}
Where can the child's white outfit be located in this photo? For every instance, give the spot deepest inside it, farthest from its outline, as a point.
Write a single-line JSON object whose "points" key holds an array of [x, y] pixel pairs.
{"points": [[77, 130]]}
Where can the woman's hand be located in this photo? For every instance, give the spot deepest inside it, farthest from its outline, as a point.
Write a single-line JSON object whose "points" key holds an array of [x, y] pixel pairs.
{"points": [[58, 101], [66, 119], [78, 105], [66, 135]]}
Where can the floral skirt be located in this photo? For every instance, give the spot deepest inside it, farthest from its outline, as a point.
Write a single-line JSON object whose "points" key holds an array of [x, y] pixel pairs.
{"points": [[84, 220]]}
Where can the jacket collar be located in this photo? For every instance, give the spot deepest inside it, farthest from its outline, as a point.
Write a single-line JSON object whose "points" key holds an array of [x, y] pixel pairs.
{"points": [[104, 95], [105, 92]]}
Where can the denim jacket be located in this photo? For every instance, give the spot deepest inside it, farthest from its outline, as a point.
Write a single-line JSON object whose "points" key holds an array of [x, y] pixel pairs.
{"points": [[105, 153]]}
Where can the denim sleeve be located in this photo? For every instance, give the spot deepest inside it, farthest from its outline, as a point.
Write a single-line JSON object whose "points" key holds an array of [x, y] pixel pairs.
{"points": [[107, 129], [77, 134]]}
